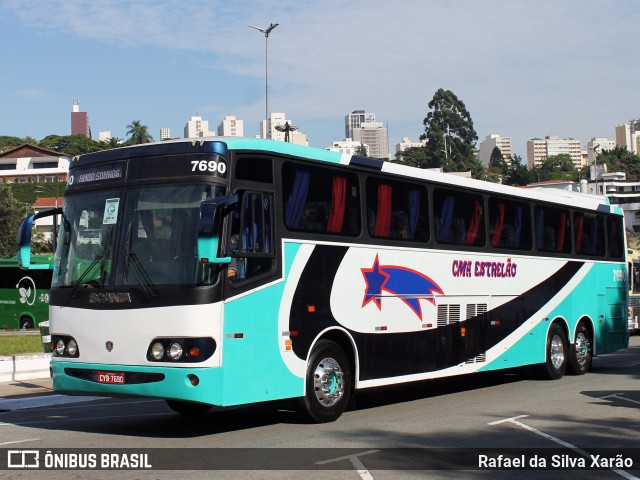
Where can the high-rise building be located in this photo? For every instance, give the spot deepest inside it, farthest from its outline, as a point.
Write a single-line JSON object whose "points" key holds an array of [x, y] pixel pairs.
{"points": [[539, 150], [79, 120], [231, 127], [197, 127], [269, 130], [165, 134], [104, 135], [628, 135], [596, 146], [492, 141], [355, 119]]}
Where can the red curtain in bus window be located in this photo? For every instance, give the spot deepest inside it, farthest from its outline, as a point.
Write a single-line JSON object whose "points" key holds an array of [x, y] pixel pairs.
{"points": [[561, 232], [579, 221], [497, 228], [338, 198], [474, 225], [383, 216]]}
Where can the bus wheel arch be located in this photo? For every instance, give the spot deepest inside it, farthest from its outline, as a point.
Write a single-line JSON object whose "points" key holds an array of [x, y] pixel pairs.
{"points": [[329, 379], [556, 352], [581, 348]]}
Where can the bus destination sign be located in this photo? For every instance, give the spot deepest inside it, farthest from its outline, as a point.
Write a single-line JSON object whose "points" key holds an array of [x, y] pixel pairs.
{"points": [[102, 173]]}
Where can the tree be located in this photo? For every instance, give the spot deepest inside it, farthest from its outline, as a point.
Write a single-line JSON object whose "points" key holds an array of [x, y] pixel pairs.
{"points": [[498, 168], [361, 151], [138, 133], [112, 142], [11, 212], [70, 144], [558, 167], [450, 135], [621, 160], [8, 142], [517, 175], [413, 156]]}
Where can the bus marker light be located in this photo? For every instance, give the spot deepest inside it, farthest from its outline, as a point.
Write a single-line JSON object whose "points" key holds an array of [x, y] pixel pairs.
{"points": [[311, 308], [381, 329], [194, 351], [293, 333], [288, 345], [195, 381], [235, 335], [463, 332]]}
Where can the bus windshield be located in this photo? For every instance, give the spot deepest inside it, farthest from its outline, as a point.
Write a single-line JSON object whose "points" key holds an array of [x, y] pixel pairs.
{"points": [[145, 236]]}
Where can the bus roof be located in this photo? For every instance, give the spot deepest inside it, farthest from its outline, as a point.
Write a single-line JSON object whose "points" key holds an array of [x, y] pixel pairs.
{"points": [[222, 144]]}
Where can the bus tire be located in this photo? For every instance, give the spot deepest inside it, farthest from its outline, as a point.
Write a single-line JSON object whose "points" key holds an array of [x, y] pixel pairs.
{"points": [[188, 408], [26, 323], [328, 383], [556, 355], [581, 351]]}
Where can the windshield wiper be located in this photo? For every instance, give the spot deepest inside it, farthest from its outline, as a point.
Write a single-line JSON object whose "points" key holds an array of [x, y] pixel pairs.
{"points": [[84, 274], [142, 277]]}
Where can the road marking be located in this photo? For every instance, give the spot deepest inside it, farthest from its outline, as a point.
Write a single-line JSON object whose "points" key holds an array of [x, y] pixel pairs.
{"points": [[355, 461], [20, 441], [619, 397], [582, 452]]}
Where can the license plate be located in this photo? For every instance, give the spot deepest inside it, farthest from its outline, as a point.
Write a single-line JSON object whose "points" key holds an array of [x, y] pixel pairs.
{"points": [[116, 378]]}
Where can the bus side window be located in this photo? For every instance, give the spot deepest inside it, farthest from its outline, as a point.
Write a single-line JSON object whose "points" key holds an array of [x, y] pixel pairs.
{"points": [[251, 240]]}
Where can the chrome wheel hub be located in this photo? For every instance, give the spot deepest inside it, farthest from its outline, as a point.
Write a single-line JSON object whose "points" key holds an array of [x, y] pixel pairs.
{"points": [[328, 382], [583, 349], [557, 352]]}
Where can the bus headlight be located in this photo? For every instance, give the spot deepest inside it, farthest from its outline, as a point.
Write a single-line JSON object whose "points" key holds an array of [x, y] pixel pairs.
{"points": [[72, 347], [175, 351], [60, 347], [183, 350], [64, 346], [157, 351]]}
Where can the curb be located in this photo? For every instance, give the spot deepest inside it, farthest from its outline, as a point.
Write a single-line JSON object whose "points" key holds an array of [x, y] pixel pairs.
{"points": [[24, 367]]}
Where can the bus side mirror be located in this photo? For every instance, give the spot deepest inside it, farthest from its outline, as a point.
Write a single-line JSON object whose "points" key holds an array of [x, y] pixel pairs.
{"points": [[209, 227], [23, 239]]}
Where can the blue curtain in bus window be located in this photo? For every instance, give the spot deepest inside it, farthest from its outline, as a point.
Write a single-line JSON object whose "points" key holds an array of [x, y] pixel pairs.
{"points": [[414, 210], [297, 199], [383, 216], [338, 199], [540, 229], [446, 218], [517, 228]]}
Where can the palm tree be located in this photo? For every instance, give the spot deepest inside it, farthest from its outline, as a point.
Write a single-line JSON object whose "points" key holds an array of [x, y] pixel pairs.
{"points": [[138, 133]]}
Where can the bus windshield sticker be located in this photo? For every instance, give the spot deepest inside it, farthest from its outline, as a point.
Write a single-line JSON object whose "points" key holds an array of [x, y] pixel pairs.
{"points": [[111, 211]]}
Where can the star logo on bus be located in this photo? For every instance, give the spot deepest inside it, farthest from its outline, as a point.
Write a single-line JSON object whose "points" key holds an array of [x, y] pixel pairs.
{"points": [[405, 283]]}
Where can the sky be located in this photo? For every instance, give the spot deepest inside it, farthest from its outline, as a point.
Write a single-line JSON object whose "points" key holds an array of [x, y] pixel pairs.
{"points": [[524, 69]]}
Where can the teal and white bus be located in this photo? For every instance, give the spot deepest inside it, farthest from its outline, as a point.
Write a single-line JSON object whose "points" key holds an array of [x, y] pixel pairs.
{"points": [[229, 271], [24, 296]]}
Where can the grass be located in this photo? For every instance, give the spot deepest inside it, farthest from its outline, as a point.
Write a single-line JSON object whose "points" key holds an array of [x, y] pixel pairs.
{"points": [[19, 344]]}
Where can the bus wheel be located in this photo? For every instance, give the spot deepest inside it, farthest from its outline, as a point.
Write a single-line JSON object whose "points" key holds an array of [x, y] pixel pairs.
{"points": [[26, 323], [188, 408], [327, 384], [556, 357], [581, 351]]}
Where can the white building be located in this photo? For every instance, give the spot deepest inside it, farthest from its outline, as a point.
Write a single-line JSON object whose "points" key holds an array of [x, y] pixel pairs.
{"points": [[197, 127], [373, 134], [29, 163], [406, 143], [596, 146], [492, 141], [104, 135], [539, 150], [628, 136], [165, 134], [231, 127], [355, 119], [268, 130], [348, 147]]}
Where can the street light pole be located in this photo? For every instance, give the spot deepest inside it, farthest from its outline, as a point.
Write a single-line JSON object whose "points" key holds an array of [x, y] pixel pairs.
{"points": [[266, 32]]}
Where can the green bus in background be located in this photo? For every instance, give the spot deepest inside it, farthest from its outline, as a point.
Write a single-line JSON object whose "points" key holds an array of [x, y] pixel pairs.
{"points": [[24, 294]]}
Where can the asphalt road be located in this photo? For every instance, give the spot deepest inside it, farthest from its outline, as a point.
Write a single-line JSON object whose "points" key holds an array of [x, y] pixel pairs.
{"points": [[392, 433]]}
